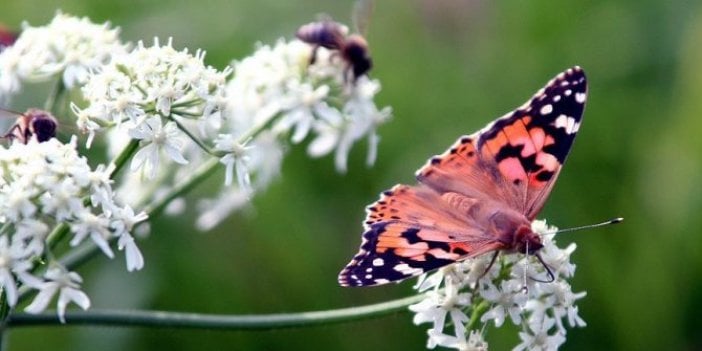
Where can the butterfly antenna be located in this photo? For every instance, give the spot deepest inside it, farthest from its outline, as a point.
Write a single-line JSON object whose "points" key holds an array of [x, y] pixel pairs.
{"points": [[589, 226]]}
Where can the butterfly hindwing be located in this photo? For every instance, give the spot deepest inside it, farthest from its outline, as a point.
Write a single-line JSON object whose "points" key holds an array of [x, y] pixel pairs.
{"points": [[409, 231]]}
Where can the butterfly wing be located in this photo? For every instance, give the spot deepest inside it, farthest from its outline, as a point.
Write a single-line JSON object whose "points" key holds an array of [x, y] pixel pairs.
{"points": [[517, 158], [412, 230]]}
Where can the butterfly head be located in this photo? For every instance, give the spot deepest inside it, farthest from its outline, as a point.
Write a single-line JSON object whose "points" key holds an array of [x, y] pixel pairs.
{"points": [[526, 241]]}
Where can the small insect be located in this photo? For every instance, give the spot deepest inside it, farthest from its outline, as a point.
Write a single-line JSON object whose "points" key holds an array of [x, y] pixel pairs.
{"points": [[333, 36], [35, 123], [330, 35]]}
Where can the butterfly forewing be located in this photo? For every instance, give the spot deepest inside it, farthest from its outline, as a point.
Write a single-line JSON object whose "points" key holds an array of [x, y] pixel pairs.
{"points": [[517, 158], [508, 167]]}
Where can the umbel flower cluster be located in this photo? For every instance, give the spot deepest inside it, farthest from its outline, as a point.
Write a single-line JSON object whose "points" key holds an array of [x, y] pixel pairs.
{"points": [[463, 298], [168, 118], [43, 185]]}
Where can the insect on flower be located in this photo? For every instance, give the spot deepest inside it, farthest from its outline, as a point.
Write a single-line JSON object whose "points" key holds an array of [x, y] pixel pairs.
{"points": [[34, 123], [479, 197], [331, 35]]}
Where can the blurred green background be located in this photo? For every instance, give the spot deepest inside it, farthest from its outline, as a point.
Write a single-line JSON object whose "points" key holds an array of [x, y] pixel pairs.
{"points": [[447, 68]]}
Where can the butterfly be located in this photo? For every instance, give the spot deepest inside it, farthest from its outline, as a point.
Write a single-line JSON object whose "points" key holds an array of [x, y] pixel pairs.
{"points": [[479, 196]]}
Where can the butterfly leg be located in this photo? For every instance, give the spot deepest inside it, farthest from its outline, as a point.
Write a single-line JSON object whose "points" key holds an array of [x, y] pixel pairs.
{"points": [[492, 262], [551, 277]]}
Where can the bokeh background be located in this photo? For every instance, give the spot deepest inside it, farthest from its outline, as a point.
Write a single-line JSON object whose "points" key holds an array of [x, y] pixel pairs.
{"points": [[447, 68]]}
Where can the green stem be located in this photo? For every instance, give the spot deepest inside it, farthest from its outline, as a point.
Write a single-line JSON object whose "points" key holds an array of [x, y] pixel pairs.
{"points": [[121, 160], [51, 101], [203, 172], [209, 321], [195, 139], [478, 312], [58, 233]]}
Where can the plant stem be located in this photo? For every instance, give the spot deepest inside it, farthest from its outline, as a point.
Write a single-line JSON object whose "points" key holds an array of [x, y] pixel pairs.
{"points": [[195, 139], [478, 312], [56, 92], [121, 160], [199, 175], [209, 321]]}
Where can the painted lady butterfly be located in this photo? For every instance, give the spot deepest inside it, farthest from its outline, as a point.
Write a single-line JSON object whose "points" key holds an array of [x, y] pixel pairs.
{"points": [[479, 196]]}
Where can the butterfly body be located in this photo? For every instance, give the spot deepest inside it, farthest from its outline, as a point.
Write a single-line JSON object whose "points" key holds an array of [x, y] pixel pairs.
{"points": [[479, 196]]}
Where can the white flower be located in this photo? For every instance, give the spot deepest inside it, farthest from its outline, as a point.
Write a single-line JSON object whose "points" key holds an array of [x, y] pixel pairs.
{"points": [[508, 300], [152, 82], [156, 137], [42, 184], [506, 288], [135, 260], [237, 157], [10, 261], [316, 98], [67, 284], [537, 338], [440, 303], [68, 46], [97, 227]]}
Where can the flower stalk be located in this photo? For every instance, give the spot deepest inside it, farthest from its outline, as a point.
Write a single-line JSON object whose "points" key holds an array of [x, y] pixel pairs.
{"points": [[161, 319]]}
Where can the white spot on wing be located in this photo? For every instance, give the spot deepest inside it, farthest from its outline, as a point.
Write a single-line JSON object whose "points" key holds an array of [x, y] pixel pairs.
{"points": [[557, 98], [369, 269], [378, 262], [381, 281], [580, 97], [546, 109], [567, 123], [568, 92], [368, 276], [404, 268]]}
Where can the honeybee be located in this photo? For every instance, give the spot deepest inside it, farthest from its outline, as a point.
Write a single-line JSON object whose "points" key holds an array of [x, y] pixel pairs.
{"points": [[332, 35], [329, 34], [35, 123]]}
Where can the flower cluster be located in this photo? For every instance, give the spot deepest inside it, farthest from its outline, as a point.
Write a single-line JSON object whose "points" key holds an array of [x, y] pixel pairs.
{"points": [[278, 86], [512, 288], [159, 108], [148, 91], [44, 185], [68, 46]]}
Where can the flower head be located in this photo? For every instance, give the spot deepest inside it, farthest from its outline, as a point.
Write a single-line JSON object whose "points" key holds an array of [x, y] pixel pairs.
{"points": [[68, 46], [500, 294], [44, 184]]}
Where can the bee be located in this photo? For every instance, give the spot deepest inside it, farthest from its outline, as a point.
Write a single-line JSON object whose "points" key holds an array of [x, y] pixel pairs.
{"points": [[331, 35], [34, 123]]}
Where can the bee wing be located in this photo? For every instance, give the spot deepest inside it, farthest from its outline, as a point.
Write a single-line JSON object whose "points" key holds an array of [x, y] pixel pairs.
{"points": [[6, 113], [361, 15]]}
